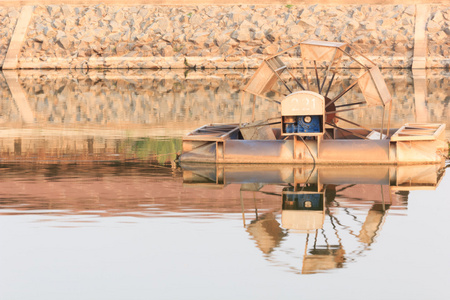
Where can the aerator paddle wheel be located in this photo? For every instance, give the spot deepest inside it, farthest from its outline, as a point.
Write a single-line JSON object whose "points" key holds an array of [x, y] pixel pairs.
{"points": [[319, 89], [314, 96]]}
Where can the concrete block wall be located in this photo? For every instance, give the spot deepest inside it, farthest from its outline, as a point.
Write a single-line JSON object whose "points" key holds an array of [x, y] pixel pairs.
{"points": [[227, 36]]}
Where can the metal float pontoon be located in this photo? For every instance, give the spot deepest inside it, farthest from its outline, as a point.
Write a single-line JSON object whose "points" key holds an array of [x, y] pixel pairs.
{"points": [[411, 144], [309, 131]]}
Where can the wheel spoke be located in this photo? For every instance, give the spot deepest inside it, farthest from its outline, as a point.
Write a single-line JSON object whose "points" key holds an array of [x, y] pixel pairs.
{"points": [[342, 93], [346, 130], [329, 85], [317, 78]]}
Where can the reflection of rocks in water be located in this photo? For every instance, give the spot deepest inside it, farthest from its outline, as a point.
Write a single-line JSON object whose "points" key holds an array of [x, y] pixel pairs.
{"points": [[148, 97], [267, 232], [136, 98]]}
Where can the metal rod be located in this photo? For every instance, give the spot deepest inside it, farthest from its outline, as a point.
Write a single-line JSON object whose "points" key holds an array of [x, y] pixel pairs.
{"points": [[317, 78], [306, 244], [284, 51], [329, 85], [242, 207], [253, 110], [328, 69], [361, 54], [350, 104], [382, 123], [412, 134], [305, 253], [353, 123], [296, 80], [305, 74], [390, 194], [266, 98], [315, 239], [342, 93], [278, 75], [256, 208], [354, 59], [278, 92], [211, 132], [342, 110], [323, 82], [242, 108], [389, 119], [218, 130], [353, 133], [258, 125]]}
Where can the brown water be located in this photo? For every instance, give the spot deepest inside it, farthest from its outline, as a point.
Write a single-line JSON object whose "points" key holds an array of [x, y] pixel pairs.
{"points": [[93, 207]]}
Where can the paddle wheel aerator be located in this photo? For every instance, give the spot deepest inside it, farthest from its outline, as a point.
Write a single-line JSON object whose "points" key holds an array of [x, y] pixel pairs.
{"points": [[310, 102]]}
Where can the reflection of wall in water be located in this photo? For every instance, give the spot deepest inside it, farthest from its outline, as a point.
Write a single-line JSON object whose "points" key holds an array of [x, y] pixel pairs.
{"points": [[79, 148], [116, 190], [159, 98], [146, 98]]}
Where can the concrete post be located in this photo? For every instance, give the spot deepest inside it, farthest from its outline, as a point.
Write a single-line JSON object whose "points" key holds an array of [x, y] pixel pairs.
{"points": [[19, 96], [17, 38], [420, 37]]}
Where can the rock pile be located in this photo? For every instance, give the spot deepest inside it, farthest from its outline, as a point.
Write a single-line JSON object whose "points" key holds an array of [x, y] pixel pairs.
{"points": [[438, 29], [240, 36], [8, 19]]}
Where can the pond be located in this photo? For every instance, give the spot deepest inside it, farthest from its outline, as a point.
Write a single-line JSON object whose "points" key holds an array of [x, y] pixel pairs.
{"points": [[93, 206]]}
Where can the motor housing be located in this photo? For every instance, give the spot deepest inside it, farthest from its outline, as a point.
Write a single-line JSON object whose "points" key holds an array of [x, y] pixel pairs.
{"points": [[303, 114]]}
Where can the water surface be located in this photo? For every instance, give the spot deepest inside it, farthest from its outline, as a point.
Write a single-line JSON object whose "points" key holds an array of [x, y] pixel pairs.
{"points": [[92, 205]]}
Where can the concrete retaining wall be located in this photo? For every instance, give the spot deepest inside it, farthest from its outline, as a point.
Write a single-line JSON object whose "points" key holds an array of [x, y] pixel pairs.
{"points": [[233, 36]]}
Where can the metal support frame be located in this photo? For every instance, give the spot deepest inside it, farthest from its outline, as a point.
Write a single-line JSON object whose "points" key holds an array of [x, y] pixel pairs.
{"points": [[350, 104], [278, 75], [343, 129], [353, 123]]}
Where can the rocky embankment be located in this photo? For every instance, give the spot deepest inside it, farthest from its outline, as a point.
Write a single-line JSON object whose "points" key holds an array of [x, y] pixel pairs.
{"points": [[147, 36]]}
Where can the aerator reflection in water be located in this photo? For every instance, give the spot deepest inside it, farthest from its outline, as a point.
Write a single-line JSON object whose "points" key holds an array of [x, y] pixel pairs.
{"points": [[336, 212]]}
